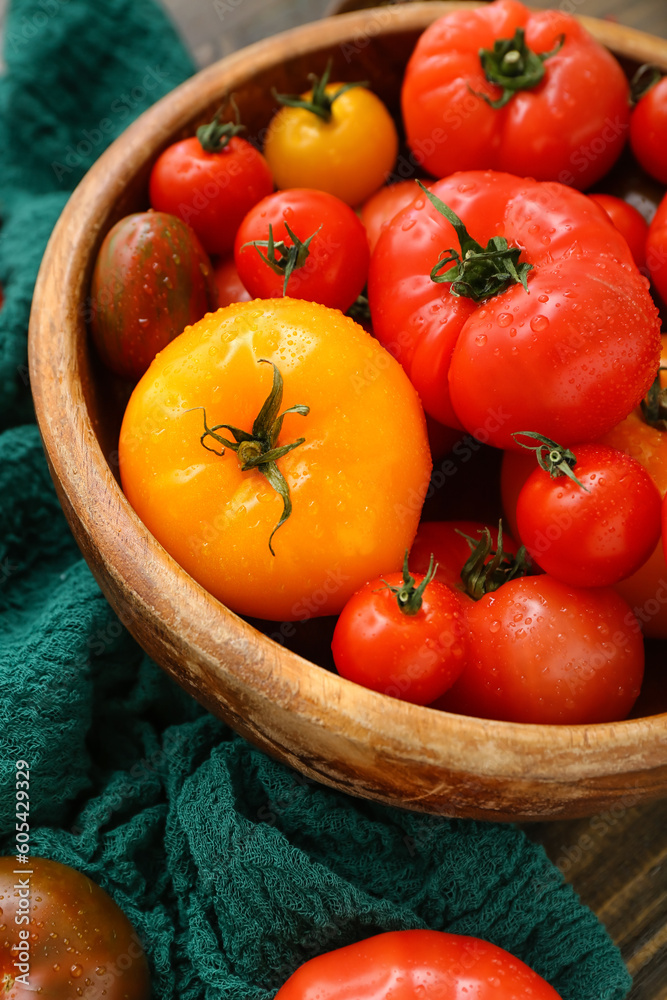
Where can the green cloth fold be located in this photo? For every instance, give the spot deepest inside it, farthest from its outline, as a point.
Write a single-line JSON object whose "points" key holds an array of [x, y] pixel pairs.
{"points": [[233, 868]]}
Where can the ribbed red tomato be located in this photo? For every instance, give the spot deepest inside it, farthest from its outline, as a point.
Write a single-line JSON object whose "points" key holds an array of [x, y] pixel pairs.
{"points": [[568, 355], [531, 93], [414, 964]]}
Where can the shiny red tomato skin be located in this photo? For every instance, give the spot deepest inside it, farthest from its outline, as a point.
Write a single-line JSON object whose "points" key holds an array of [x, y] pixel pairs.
{"points": [[210, 191], [571, 127], [544, 652], [449, 548], [585, 337], [336, 268], [407, 965], [78, 938], [629, 222], [648, 131], [229, 286], [595, 536], [656, 250], [381, 207], [152, 278], [411, 657]]}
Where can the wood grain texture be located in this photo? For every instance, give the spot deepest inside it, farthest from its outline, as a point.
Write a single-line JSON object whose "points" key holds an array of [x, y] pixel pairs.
{"points": [[326, 727], [617, 862]]}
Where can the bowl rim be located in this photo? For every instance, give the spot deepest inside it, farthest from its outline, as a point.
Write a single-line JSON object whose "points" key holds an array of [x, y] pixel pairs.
{"points": [[263, 681]]}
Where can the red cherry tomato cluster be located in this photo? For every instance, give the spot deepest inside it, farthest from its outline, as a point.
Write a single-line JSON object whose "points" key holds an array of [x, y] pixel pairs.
{"points": [[517, 305]]}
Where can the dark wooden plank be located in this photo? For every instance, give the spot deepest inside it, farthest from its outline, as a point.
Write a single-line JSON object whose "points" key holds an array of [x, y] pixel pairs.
{"points": [[213, 28], [617, 862]]}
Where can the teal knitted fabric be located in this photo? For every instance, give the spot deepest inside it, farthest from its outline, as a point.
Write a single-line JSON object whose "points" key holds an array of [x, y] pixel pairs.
{"points": [[233, 868]]}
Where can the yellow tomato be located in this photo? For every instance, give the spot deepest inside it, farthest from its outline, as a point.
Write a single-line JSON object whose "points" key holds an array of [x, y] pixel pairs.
{"points": [[349, 156], [356, 478]]}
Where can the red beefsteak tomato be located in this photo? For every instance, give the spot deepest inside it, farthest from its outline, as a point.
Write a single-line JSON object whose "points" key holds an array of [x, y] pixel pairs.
{"points": [[514, 305], [530, 93], [414, 964]]}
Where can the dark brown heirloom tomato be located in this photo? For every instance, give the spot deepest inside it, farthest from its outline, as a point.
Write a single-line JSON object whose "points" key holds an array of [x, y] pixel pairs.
{"points": [[62, 937], [152, 278]]}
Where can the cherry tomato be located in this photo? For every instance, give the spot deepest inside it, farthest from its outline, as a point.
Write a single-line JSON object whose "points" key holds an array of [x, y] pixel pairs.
{"points": [[402, 635], [328, 261], [443, 540], [152, 278], [381, 207], [567, 121], [648, 131], [347, 147], [210, 181], [227, 281], [352, 491], [656, 250], [584, 335], [61, 934], [542, 651], [596, 531], [629, 222], [646, 442], [407, 965]]}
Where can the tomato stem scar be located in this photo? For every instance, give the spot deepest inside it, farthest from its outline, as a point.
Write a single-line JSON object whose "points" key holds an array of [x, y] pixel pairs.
{"points": [[551, 457], [479, 272], [481, 577], [320, 102], [257, 449], [216, 135], [409, 596], [282, 258], [511, 65]]}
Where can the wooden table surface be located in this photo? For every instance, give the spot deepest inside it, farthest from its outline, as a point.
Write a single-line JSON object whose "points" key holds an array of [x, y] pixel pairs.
{"points": [[617, 861]]}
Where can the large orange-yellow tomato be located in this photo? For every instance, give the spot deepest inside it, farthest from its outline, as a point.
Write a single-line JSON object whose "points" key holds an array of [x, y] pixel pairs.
{"points": [[356, 482]]}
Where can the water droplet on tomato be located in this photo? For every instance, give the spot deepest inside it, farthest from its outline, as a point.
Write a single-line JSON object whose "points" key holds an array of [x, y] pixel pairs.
{"points": [[76, 971], [480, 339], [408, 224], [494, 627], [539, 323], [542, 298]]}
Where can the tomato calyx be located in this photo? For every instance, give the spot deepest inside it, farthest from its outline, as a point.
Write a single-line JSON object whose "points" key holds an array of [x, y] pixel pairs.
{"points": [[482, 577], [320, 102], [513, 66], [257, 450], [551, 457], [214, 136], [479, 272], [282, 258], [408, 596], [654, 405], [644, 80]]}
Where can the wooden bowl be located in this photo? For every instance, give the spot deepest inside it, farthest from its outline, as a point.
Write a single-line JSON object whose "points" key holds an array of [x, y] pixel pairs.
{"points": [[305, 715]]}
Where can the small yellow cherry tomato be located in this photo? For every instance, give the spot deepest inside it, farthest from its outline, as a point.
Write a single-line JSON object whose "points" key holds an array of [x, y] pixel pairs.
{"points": [[348, 152], [194, 459]]}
